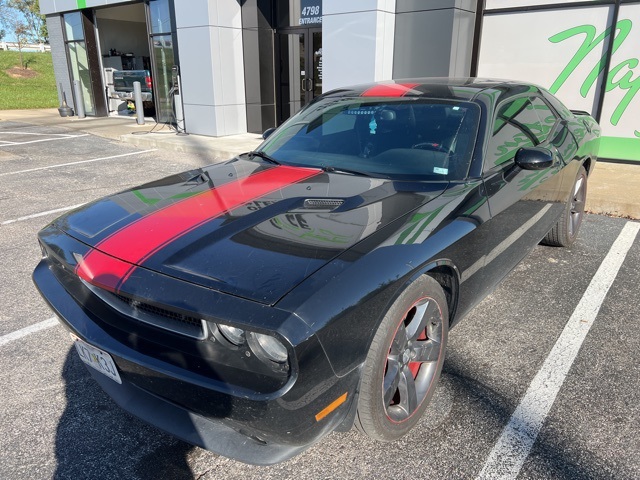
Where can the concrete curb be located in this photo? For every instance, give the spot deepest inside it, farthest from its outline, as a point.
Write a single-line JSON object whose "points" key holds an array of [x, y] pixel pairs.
{"points": [[614, 190], [220, 149]]}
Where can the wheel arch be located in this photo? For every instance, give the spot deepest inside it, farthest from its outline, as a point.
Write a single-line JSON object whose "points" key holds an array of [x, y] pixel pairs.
{"points": [[587, 164], [443, 271], [446, 274]]}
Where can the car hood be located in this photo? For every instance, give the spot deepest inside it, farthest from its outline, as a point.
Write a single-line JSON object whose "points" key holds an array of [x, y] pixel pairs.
{"points": [[244, 228]]}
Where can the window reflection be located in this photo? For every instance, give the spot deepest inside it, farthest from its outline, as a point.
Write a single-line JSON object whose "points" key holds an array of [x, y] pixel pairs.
{"points": [[80, 69], [164, 60], [73, 26], [160, 16], [78, 58]]}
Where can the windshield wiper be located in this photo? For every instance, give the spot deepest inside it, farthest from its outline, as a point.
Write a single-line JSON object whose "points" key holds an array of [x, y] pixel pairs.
{"points": [[330, 169], [263, 156]]}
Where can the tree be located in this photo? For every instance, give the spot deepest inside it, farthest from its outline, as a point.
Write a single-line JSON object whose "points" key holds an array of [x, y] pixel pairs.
{"points": [[16, 25], [34, 27]]}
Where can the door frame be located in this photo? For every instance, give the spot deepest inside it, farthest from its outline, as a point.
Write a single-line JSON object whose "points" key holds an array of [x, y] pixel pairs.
{"points": [[94, 65], [308, 81]]}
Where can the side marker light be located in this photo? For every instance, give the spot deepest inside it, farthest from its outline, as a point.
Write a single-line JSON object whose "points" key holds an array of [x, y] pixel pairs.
{"points": [[331, 407]]}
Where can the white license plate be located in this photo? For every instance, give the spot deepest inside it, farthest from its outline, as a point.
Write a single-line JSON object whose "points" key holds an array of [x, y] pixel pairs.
{"points": [[96, 358]]}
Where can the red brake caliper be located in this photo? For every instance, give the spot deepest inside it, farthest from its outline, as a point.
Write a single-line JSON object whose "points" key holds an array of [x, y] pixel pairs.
{"points": [[415, 366]]}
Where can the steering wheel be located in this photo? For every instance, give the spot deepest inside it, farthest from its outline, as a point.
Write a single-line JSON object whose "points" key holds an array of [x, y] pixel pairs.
{"points": [[435, 147]]}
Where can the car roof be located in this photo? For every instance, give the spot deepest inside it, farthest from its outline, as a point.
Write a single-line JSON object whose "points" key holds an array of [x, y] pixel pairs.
{"points": [[446, 88]]}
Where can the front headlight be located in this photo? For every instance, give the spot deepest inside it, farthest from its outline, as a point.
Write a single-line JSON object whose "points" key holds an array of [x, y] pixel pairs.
{"points": [[232, 334], [268, 347]]}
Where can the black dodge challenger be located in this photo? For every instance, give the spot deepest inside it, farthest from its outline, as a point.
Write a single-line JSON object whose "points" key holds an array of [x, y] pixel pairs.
{"points": [[254, 306]]}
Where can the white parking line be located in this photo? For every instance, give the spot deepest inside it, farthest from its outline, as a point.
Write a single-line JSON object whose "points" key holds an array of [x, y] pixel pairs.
{"points": [[4, 132], [75, 163], [7, 142], [517, 439], [41, 214], [69, 137], [23, 332]]}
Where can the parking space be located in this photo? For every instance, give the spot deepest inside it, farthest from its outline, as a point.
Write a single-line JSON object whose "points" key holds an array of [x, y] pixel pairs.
{"points": [[20, 134], [56, 422]]}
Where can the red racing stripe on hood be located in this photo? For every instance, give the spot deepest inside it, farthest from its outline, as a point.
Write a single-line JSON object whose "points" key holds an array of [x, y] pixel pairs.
{"points": [[389, 90], [115, 258]]}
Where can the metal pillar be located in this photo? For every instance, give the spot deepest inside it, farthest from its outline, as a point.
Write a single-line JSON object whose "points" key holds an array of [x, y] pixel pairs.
{"points": [[137, 95], [77, 90]]}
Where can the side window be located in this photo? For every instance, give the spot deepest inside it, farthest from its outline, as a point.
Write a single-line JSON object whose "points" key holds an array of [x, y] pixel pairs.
{"points": [[557, 133], [558, 105], [547, 117], [516, 125]]}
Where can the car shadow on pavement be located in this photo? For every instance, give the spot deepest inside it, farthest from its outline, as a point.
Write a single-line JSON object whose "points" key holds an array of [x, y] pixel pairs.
{"points": [[95, 438], [555, 455]]}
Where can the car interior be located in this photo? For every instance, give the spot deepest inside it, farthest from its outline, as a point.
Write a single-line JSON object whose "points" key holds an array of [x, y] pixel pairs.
{"points": [[393, 139]]}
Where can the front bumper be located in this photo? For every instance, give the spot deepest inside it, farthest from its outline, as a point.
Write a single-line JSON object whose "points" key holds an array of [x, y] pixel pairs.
{"points": [[258, 429], [193, 428]]}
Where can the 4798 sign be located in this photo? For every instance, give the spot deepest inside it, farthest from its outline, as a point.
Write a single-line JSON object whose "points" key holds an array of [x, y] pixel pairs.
{"points": [[311, 12]]}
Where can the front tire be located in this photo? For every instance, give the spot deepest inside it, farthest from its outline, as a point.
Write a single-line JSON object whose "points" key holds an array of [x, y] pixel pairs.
{"points": [[404, 362], [565, 232]]}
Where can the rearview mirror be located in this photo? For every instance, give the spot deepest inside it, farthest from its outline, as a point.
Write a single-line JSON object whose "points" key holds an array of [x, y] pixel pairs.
{"points": [[267, 132], [534, 158]]}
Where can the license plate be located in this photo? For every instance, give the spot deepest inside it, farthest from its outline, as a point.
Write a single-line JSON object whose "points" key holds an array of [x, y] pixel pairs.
{"points": [[96, 358]]}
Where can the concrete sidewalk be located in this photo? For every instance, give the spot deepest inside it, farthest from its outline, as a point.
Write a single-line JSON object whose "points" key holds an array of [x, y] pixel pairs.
{"points": [[614, 189], [150, 135]]}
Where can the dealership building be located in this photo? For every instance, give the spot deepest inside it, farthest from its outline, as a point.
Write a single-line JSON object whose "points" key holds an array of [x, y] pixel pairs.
{"points": [[224, 67]]}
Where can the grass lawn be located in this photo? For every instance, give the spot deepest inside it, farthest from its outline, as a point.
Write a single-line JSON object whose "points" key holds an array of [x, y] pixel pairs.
{"points": [[34, 87]]}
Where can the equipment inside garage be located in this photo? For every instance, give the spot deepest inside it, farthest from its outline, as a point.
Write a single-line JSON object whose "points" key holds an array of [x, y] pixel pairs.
{"points": [[124, 52]]}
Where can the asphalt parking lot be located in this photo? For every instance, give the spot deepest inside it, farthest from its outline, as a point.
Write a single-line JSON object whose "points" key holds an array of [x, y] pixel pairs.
{"points": [[540, 382]]}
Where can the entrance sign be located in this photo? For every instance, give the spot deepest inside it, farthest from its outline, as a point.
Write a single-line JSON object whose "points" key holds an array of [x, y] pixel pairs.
{"points": [[310, 12]]}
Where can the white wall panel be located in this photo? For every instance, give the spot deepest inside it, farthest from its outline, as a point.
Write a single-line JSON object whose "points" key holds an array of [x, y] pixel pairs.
{"points": [[199, 13], [211, 61], [512, 48], [229, 67], [621, 109], [234, 118], [197, 72], [357, 42], [203, 120], [58, 6], [228, 13], [336, 7], [491, 4]]}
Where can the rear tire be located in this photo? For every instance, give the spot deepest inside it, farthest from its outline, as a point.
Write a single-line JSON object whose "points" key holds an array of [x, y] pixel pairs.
{"points": [[404, 362], [565, 232]]}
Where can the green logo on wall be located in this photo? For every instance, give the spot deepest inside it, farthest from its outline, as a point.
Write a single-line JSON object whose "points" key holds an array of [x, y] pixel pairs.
{"points": [[620, 76]]}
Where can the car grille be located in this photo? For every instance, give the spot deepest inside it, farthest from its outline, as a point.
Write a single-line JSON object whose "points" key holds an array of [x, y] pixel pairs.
{"points": [[152, 314]]}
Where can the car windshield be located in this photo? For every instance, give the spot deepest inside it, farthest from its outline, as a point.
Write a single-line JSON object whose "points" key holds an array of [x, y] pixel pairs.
{"points": [[398, 138]]}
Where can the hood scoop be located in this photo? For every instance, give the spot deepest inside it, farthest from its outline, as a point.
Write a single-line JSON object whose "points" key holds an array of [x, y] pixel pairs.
{"points": [[325, 204]]}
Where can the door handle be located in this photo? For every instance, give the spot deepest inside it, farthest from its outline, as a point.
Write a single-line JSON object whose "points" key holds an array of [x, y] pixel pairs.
{"points": [[308, 84]]}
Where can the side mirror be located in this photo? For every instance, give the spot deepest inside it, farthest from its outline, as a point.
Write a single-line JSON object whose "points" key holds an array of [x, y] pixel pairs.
{"points": [[534, 158], [267, 132]]}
